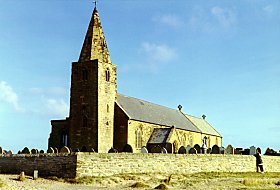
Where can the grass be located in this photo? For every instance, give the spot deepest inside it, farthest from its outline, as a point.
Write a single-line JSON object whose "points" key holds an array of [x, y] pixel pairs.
{"points": [[1, 183], [207, 180]]}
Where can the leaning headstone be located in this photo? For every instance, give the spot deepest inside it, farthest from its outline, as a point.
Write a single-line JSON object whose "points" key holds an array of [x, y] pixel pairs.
{"points": [[25, 151], [229, 149], [188, 148], [50, 150], [144, 150], [216, 150], [1, 150], [35, 174], [163, 150], [65, 149], [156, 149], [252, 150], [182, 150], [34, 151], [127, 148], [198, 149], [192, 151], [112, 150]]}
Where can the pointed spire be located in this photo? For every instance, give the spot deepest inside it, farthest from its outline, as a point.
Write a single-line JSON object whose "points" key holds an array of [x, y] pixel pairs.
{"points": [[95, 46]]}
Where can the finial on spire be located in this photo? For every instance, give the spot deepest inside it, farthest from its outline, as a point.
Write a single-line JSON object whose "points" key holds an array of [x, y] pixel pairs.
{"points": [[95, 4]]}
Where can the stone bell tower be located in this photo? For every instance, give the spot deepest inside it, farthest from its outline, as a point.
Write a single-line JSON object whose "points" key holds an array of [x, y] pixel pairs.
{"points": [[93, 93]]}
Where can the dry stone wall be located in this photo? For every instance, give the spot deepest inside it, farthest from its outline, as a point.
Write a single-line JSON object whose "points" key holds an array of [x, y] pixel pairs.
{"points": [[60, 165], [90, 164], [105, 164]]}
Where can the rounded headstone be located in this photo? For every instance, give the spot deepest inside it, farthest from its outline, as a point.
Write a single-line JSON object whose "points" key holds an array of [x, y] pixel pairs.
{"points": [[216, 150], [192, 151], [34, 151], [156, 149], [65, 149], [112, 150], [42, 152], [182, 150], [229, 149], [50, 150], [9, 152], [127, 148], [163, 150], [25, 151], [197, 147], [144, 150]]}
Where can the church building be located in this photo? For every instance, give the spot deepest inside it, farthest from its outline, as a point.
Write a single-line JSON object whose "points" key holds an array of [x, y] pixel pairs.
{"points": [[100, 118]]}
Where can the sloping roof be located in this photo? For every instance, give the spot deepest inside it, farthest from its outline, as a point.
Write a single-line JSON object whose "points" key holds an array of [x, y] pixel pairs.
{"points": [[141, 110], [203, 125], [159, 135]]}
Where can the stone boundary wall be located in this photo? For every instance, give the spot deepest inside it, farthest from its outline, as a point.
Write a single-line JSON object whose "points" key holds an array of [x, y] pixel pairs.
{"points": [[92, 164], [60, 165], [99, 164]]}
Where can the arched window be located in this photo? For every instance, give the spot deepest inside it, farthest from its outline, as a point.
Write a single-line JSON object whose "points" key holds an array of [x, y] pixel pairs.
{"points": [[64, 138], [85, 121], [138, 138], [85, 74], [107, 75]]}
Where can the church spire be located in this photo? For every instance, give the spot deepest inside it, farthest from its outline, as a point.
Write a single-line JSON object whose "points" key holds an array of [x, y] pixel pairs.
{"points": [[95, 46]]}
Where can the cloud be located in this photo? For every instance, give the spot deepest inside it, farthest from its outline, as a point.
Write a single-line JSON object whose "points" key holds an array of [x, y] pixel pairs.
{"points": [[8, 95], [225, 17], [170, 20], [158, 53], [268, 9], [56, 108], [50, 91]]}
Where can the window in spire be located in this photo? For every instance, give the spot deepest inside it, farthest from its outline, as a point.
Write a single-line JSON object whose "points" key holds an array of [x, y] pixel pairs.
{"points": [[107, 75]]}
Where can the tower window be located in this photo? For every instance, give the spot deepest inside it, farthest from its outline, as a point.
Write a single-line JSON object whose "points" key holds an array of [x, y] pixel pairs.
{"points": [[108, 108], [107, 75], [85, 74], [85, 121], [138, 138]]}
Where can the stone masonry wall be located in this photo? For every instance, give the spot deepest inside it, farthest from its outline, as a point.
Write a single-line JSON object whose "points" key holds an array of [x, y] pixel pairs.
{"points": [[60, 165], [94, 164], [91, 164]]}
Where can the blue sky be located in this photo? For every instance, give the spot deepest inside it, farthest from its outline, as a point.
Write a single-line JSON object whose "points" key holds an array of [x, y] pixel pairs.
{"points": [[218, 58]]}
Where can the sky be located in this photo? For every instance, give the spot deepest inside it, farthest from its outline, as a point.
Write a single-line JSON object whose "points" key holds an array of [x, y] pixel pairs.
{"points": [[217, 58]]}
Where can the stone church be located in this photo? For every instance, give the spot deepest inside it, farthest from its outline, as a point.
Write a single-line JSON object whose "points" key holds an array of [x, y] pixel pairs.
{"points": [[100, 118]]}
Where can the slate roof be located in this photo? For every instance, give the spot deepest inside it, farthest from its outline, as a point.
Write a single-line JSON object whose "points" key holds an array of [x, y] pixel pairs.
{"points": [[159, 135], [141, 110], [203, 125]]}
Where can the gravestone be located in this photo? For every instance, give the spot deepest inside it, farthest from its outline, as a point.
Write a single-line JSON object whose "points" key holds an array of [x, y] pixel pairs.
{"points": [[156, 149], [198, 149], [112, 150], [50, 150], [1, 150], [65, 149], [35, 174], [238, 151], [246, 151], [209, 150], [19, 152], [188, 148], [163, 150], [229, 149], [252, 150], [216, 150], [222, 150], [25, 151], [34, 151], [42, 152], [144, 150], [182, 150], [127, 148], [9, 152], [192, 151], [56, 150]]}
